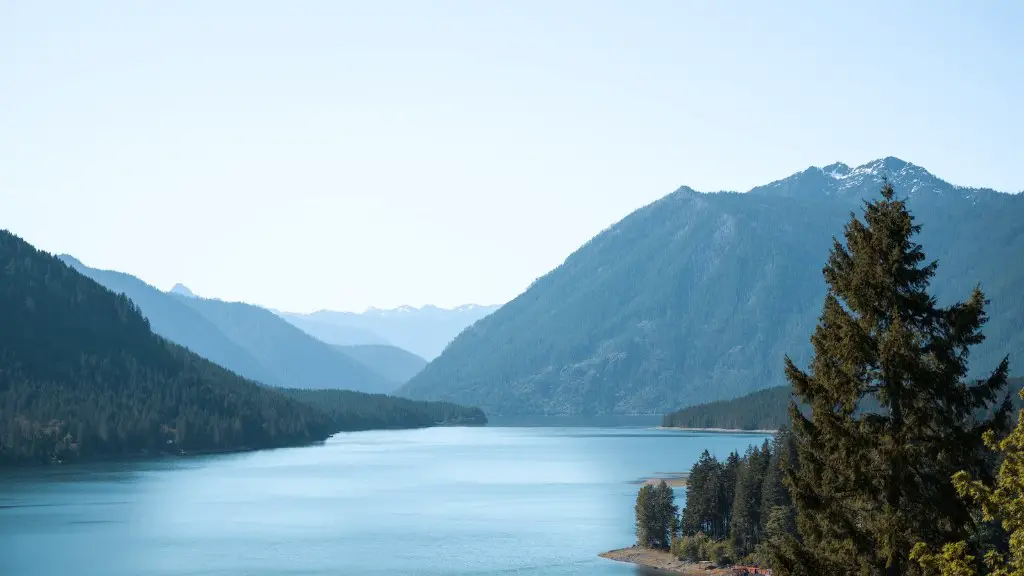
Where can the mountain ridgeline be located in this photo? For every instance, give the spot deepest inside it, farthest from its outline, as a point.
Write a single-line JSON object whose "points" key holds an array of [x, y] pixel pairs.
{"points": [[246, 339], [423, 331], [698, 296], [83, 376]]}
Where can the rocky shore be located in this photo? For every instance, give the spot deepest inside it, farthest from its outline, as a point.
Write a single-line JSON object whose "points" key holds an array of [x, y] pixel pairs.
{"points": [[661, 560]]}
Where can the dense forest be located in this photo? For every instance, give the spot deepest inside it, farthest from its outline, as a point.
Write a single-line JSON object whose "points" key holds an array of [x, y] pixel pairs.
{"points": [[893, 462], [82, 376], [761, 410], [699, 297], [351, 411]]}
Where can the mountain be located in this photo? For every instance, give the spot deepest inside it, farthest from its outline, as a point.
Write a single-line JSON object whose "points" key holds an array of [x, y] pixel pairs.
{"points": [[175, 320], [246, 339], [698, 296], [337, 334], [182, 290], [423, 331], [391, 362], [83, 376]]}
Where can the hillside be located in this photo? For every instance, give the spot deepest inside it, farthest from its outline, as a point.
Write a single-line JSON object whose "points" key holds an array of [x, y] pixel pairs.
{"points": [[697, 297], [762, 410], [397, 366], [82, 376], [296, 359], [179, 323], [423, 331], [246, 339]]}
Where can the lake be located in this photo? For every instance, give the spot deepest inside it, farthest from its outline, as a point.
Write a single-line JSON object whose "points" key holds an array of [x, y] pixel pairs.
{"points": [[532, 500]]}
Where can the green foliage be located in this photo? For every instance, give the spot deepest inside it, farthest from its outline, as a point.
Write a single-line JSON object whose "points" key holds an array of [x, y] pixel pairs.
{"points": [[82, 376], [761, 410], [698, 297], [655, 515], [768, 410], [693, 548], [720, 554], [350, 411], [1002, 501], [868, 484], [727, 501]]}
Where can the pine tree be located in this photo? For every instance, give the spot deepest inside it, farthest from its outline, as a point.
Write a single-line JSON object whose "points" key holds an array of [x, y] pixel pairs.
{"points": [[1003, 502], [644, 511], [655, 515], [891, 416], [665, 512], [745, 526], [701, 495]]}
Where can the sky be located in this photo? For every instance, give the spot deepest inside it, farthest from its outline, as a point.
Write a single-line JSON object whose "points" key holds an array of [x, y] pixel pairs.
{"points": [[308, 155]]}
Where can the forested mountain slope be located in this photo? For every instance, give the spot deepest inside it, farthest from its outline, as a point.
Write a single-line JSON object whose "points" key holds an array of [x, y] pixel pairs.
{"points": [[697, 297], [83, 376], [178, 322], [246, 339], [296, 359]]}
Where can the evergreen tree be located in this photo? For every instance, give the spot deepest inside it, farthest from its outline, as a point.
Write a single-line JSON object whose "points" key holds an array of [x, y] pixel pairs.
{"points": [[665, 512], [655, 516], [1003, 502], [868, 484], [644, 510], [745, 529], [701, 496], [726, 495]]}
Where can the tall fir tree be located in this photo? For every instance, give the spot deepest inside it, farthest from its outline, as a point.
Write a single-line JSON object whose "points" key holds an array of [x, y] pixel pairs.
{"points": [[644, 509], [655, 515], [892, 417], [1002, 502]]}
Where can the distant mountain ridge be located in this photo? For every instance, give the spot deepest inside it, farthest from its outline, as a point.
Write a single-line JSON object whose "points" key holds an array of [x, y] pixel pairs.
{"points": [[247, 339], [698, 296], [423, 331]]}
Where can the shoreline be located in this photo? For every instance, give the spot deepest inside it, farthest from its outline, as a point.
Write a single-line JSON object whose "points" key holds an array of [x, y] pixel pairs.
{"points": [[661, 560], [716, 430]]}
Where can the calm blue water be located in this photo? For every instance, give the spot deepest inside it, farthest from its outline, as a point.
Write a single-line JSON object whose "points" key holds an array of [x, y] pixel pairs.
{"points": [[455, 501]]}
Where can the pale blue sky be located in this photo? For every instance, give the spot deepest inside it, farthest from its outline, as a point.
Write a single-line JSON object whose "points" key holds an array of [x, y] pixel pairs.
{"points": [[306, 155]]}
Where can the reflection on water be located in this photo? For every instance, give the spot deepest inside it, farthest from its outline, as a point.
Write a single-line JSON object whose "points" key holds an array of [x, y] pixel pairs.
{"points": [[538, 501]]}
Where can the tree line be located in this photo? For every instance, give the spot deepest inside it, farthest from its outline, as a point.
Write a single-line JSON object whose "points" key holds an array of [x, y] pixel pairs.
{"points": [[82, 376], [732, 508], [893, 462]]}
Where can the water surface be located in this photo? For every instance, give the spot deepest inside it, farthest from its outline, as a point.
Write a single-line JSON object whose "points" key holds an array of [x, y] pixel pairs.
{"points": [[538, 501]]}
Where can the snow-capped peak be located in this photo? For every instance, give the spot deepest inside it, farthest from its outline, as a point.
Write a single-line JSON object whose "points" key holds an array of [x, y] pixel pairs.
{"points": [[836, 170]]}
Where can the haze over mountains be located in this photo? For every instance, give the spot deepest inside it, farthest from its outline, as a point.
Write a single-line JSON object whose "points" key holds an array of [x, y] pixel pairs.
{"points": [[320, 350], [83, 376], [246, 339], [697, 297], [423, 331]]}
